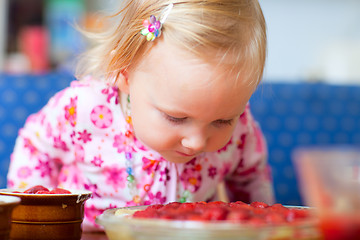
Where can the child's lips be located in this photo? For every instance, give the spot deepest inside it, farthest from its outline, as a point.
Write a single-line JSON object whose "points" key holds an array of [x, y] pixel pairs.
{"points": [[186, 154]]}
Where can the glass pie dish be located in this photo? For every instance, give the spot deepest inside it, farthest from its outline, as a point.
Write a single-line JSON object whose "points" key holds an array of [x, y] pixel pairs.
{"points": [[119, 224]]}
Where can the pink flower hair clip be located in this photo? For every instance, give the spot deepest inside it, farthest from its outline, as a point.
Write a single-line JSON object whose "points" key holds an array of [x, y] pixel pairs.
{"points": [[152, 27]]}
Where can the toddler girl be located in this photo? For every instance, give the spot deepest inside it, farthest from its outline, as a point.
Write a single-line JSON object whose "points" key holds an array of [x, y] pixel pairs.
{"points": [[160, 113]]}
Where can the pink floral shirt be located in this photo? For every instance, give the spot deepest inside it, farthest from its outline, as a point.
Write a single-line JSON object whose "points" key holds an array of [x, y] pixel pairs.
{"points": [[77, 142]]}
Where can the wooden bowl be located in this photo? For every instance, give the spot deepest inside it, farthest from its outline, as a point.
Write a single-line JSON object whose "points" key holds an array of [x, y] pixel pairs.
{"points": [[47, 216], [7, 204]]}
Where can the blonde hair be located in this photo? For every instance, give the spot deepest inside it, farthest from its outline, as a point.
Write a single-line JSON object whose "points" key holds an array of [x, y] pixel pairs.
{"points": [[234, 30]]}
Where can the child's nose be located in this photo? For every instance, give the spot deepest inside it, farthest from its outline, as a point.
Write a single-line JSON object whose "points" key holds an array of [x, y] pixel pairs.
{"points": [[195, 142]]}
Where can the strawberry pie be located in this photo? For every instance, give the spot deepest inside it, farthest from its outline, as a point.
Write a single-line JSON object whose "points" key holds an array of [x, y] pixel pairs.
{"points": [[237, 212]]}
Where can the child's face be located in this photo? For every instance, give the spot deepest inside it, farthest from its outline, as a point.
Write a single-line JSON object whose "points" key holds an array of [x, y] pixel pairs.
{"points": [[182, 106]]}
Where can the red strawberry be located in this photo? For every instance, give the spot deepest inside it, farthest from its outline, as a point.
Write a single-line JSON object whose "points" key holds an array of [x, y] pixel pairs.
{"points": [[273, 217], [42, 192], [144, 214], [282, 210], [278, 208], [215, 213], [59, 191], [172, 205], [256, 221], [239, 215], [237, 204], [297, 213], [194, 217], [187, 206], [217, 204], [155, 206], [35, 189], [259, 205]]}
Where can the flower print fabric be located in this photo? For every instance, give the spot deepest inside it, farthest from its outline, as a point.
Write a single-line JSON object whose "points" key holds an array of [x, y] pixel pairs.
{"points": [[101, 116], [78, 141]]}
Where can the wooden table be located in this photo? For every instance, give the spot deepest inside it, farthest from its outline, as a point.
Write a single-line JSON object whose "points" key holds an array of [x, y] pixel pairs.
{"points": [[94, 236]]}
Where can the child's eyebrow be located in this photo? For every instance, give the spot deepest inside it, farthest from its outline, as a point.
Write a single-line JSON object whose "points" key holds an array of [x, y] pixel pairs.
{"points": [[172, 111], [180, 113]]}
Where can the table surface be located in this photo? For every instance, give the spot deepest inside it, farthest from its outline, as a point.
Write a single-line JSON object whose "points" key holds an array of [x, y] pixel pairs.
{"points": [[94, 236]]}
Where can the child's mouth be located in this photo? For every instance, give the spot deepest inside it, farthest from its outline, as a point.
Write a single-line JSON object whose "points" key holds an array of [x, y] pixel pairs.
{"points": [[186, 154]]}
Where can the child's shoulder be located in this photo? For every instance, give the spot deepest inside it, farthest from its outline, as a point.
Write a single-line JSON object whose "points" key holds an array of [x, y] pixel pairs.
{"points": [[89, 83], [87, 89], [245, 120]]}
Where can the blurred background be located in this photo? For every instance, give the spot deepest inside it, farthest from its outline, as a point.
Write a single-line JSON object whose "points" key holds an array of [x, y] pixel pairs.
{"points": [[40, 36], [313, 40], [309, 40]]}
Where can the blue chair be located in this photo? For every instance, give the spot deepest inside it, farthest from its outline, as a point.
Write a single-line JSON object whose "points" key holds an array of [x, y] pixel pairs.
{"points": [[21, 95], [301, 115]]}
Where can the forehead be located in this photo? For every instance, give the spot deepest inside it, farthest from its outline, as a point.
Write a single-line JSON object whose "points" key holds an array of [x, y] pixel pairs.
{"points": [[164, 58], [179, 76]]}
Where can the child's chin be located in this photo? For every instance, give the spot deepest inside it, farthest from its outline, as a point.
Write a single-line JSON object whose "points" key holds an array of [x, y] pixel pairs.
{"points": [[177, 158]]}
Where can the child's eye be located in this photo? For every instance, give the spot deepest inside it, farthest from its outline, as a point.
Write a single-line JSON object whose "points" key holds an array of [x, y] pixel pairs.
{"points": [[174, 119], [221, 122]]}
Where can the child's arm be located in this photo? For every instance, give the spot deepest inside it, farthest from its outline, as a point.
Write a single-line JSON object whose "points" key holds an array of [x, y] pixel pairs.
{"points": [[42, 144], [251, 180]]}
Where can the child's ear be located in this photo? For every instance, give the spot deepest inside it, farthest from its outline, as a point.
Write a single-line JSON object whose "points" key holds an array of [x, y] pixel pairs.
{"points": [[122, 82]]}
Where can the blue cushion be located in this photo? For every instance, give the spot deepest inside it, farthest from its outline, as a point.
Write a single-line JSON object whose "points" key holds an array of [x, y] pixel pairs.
{"points": [[301, 115], [21, 95]]}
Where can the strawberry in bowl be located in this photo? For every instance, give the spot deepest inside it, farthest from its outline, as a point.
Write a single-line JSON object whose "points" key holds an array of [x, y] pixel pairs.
{"points": [[39, 189], [45, 213]]}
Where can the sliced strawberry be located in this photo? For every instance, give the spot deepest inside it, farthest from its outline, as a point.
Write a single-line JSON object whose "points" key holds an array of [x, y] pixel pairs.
{"points": [[257, 221], [217, 204], [237, 204], [275, 218], [187, 206], [256, 213], [215, 213], [59, 191], [155, 206], [259, 205], [295, 214], [194, 217], [35, 189], [172, 205], [239, 215], [42, 192]]}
